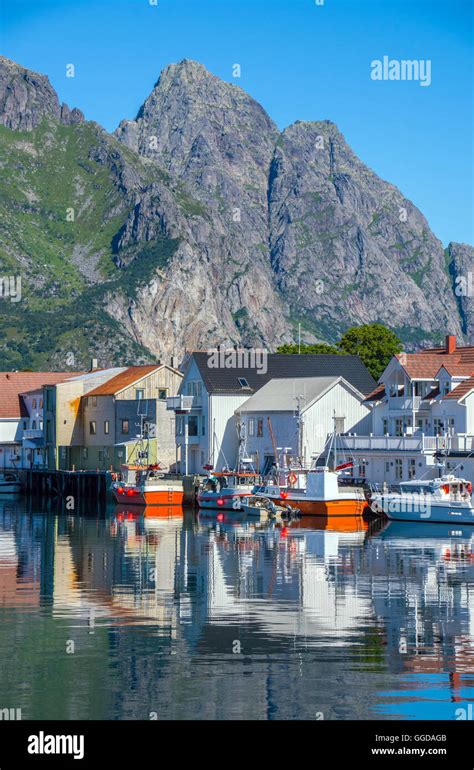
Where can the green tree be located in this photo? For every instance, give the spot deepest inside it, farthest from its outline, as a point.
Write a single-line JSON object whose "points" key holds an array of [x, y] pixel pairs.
{"points": [[374, 343], [319, 347]]}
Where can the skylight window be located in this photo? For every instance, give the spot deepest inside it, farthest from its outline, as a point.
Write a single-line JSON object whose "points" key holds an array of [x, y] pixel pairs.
{"points": [[243, 382]]}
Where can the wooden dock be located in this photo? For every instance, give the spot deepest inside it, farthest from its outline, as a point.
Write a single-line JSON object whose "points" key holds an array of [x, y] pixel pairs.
{"points": [[76, 484]]}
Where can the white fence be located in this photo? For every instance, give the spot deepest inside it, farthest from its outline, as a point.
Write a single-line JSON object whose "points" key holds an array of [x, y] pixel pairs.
{"points": [[458, 443]]}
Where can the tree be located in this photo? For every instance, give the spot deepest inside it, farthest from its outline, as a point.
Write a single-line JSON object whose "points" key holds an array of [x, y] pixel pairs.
{"points": [[374, 343], [319, 347]]}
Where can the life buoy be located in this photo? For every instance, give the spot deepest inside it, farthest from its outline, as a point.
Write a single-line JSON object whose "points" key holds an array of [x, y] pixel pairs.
{"points": [[469, 487], [292, 479]]}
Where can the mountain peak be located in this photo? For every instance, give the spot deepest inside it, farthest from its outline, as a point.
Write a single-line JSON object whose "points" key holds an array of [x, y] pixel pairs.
{"points": [[26, 97]]}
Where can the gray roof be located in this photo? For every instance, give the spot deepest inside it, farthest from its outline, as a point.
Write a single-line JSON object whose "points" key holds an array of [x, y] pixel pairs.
{"points": [[226, 380], [281, 394]]}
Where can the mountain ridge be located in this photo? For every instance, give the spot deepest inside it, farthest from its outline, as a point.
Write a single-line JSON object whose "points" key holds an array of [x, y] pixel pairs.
{"points": [[200, 222]]}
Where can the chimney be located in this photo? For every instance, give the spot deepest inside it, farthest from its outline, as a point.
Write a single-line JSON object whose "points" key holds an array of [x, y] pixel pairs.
{"points": [[94, 364], [450, 343], [174, 362]]}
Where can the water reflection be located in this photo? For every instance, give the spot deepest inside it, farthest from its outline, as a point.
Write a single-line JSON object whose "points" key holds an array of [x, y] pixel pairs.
{"points": [[220, 617]]}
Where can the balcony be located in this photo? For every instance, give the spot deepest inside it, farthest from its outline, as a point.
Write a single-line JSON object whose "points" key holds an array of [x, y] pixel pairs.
{"points": [[405, 403], [32, 433], [183, 403], [458, 443]]}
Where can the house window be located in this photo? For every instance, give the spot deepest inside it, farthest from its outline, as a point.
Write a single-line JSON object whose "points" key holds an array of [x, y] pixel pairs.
{"points": [[384, 426], [139, 394], [387, 466], [399, 469], [438, 426], [251, 427], [203, 425], [92, 427], [399, 426], [125, 426], [411, 468], [93, 400], [339, 424], [25, 425], [41, 403], [33, 404], [33, 424], [450, 425], [362, 469], [260, 428], [192, 425], [194, 388], [162, 394], [106, 427], [445, 387]]}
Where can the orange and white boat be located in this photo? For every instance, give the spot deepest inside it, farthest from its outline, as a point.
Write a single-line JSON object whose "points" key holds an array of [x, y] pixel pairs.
{"points": [[322, 495], [150, 487]]}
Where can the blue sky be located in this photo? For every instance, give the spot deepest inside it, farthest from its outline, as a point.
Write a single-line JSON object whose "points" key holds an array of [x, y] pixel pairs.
{"points": [[300, 60]]}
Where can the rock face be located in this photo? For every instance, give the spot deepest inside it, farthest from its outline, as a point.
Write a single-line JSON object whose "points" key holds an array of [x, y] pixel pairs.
{"points": [[461, 267], [26, 98], [200, 223]]}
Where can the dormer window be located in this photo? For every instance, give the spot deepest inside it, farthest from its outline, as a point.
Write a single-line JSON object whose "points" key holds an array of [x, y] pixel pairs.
{"points": [[243, 382], [445, 387]]}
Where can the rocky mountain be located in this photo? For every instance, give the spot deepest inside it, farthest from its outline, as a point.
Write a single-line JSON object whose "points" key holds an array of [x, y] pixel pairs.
{"points": [[198, 223]]}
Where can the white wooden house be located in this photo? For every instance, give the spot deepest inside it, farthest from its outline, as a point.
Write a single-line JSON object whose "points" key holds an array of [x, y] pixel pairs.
{"points": [[210, 396], [301, 412], [422, 412]]}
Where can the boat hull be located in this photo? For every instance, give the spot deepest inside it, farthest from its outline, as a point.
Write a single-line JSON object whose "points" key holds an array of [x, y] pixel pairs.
{"points": [[341, 506], [230, 501], [413, 511], [137, 496]]}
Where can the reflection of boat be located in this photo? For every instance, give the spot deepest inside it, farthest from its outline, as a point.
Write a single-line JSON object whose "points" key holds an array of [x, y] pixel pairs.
{"points": [[353, 523], [226, 490], [150, 488], [446, 499], [9, 483], [424, 530]]}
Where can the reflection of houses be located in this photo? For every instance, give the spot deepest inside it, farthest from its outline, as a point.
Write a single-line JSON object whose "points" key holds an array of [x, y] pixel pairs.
{"points": [[423, 406], [209, 397], [302, 412]]}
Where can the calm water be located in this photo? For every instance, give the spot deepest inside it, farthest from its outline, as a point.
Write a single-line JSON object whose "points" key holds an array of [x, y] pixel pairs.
{"points": [[119, 615]]}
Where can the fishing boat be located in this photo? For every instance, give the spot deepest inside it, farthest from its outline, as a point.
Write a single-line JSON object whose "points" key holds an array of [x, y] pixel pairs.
{"points": [[9, 483], [226, 490], [316, 491], [322, 495], [149, 488], [261, 507], [447, 499]]}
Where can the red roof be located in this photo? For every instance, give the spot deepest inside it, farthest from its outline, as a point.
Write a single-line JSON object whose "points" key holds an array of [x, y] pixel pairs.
{"points": [[12, 384], [461, 390], [377, 393], [124, 380]]}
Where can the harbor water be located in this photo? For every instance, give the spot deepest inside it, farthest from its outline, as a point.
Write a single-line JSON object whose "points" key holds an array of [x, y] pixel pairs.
{"points": [[159, 614]]}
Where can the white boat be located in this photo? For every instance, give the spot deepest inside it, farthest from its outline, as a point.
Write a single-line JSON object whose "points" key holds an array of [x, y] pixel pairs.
{"points": [[261, 507], [447, 499], [226, 490], [9, 483]]}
